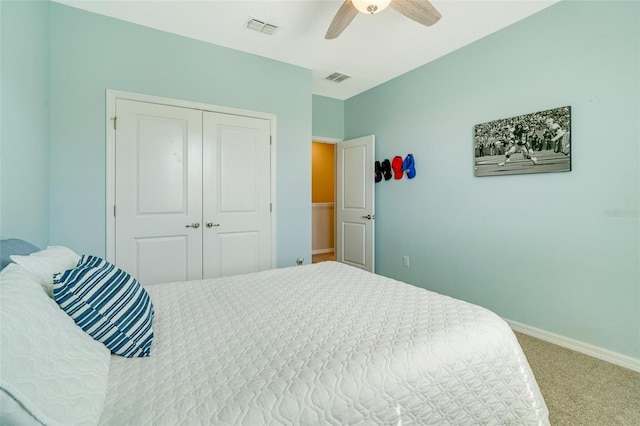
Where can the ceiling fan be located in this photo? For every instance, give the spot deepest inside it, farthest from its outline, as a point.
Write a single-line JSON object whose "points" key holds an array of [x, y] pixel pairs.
{"points": [[419, 10]]}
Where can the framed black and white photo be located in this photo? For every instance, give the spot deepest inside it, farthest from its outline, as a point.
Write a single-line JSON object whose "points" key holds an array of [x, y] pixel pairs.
{"points": [[539, 142]]}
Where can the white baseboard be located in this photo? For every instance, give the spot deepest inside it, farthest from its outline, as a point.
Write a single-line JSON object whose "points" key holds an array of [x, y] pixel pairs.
{"points": [[322, 251], [578, 346]]}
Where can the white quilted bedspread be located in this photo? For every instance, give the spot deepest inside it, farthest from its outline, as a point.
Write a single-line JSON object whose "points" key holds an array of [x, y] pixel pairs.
{"points": [[321, 344]]}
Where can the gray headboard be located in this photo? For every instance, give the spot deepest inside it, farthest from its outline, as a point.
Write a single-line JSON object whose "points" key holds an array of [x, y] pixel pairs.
{"points": [[14, 246]]}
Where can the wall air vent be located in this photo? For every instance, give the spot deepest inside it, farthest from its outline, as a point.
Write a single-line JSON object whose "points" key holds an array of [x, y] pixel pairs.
{"points": [[337, 77], [261, 26]]}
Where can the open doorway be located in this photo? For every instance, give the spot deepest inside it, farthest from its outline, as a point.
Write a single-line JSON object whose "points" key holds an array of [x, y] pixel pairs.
{"points": [[322, 201]]}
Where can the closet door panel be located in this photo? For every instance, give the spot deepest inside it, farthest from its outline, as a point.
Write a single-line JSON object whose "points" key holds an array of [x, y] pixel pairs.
{"points": [[239, 252], [238, 169], [158, 191], [162, 259], [236, 194]]}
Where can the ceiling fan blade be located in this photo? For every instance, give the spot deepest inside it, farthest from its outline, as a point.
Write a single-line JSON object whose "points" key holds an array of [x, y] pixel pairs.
{"points": [[419, 10], [343, 18]]}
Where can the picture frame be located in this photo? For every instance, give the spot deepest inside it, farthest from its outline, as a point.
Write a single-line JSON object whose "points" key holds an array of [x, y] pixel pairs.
{"points": [[538, 142]]}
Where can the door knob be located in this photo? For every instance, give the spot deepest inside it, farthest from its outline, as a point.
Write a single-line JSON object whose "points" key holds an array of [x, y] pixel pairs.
{"points": [[195, 225], [368, 217], [211, 224]]}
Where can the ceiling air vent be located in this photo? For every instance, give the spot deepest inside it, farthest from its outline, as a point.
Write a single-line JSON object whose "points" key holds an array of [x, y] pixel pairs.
{"points": [[337, 77], [261, 26]]}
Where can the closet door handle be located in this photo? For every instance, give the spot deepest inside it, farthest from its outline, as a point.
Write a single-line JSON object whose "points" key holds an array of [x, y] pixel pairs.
{"points": [[211, 224], [194, 225]]}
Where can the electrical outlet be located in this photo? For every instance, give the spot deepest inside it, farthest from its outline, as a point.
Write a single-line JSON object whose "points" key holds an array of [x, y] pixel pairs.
{"points": [[405, 261]]}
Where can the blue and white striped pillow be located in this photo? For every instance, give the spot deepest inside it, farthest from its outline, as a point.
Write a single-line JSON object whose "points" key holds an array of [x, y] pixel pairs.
{"points": [[109, 304]]}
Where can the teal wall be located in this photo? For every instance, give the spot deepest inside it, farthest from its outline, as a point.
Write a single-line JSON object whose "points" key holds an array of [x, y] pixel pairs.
{"points": [[24, 121], [557, 251], [328, 117], [92, 53]]}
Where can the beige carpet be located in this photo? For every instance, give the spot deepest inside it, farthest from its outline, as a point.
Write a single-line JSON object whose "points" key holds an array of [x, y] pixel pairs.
{"points": [[581, 390]]}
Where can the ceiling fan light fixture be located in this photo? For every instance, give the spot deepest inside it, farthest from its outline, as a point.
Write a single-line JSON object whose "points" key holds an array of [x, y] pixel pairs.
{"points": [[371, 6]]}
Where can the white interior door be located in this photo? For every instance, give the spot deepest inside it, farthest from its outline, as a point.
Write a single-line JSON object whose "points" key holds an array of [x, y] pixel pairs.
{"points": [[236, 194], [158, 191], [355, 207]]}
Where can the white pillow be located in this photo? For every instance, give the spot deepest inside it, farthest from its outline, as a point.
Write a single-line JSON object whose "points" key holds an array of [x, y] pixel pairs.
{"points": [[52, 368], [13, 413], [46, 263]]}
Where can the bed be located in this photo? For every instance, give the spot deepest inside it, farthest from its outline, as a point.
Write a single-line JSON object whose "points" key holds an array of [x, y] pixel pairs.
{"points": [[317, 344]]}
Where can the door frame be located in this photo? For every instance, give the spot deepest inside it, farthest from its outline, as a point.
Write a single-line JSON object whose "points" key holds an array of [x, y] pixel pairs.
{"points": [[111, 122], [336, 141], [330, 141]]}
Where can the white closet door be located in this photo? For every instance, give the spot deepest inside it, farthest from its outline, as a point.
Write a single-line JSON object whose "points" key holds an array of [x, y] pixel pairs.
{"points": [[236, 194], [158, 172]]}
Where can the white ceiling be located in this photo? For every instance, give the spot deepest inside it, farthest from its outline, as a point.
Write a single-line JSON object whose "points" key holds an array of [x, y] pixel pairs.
{"points": [[372, 50]]}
